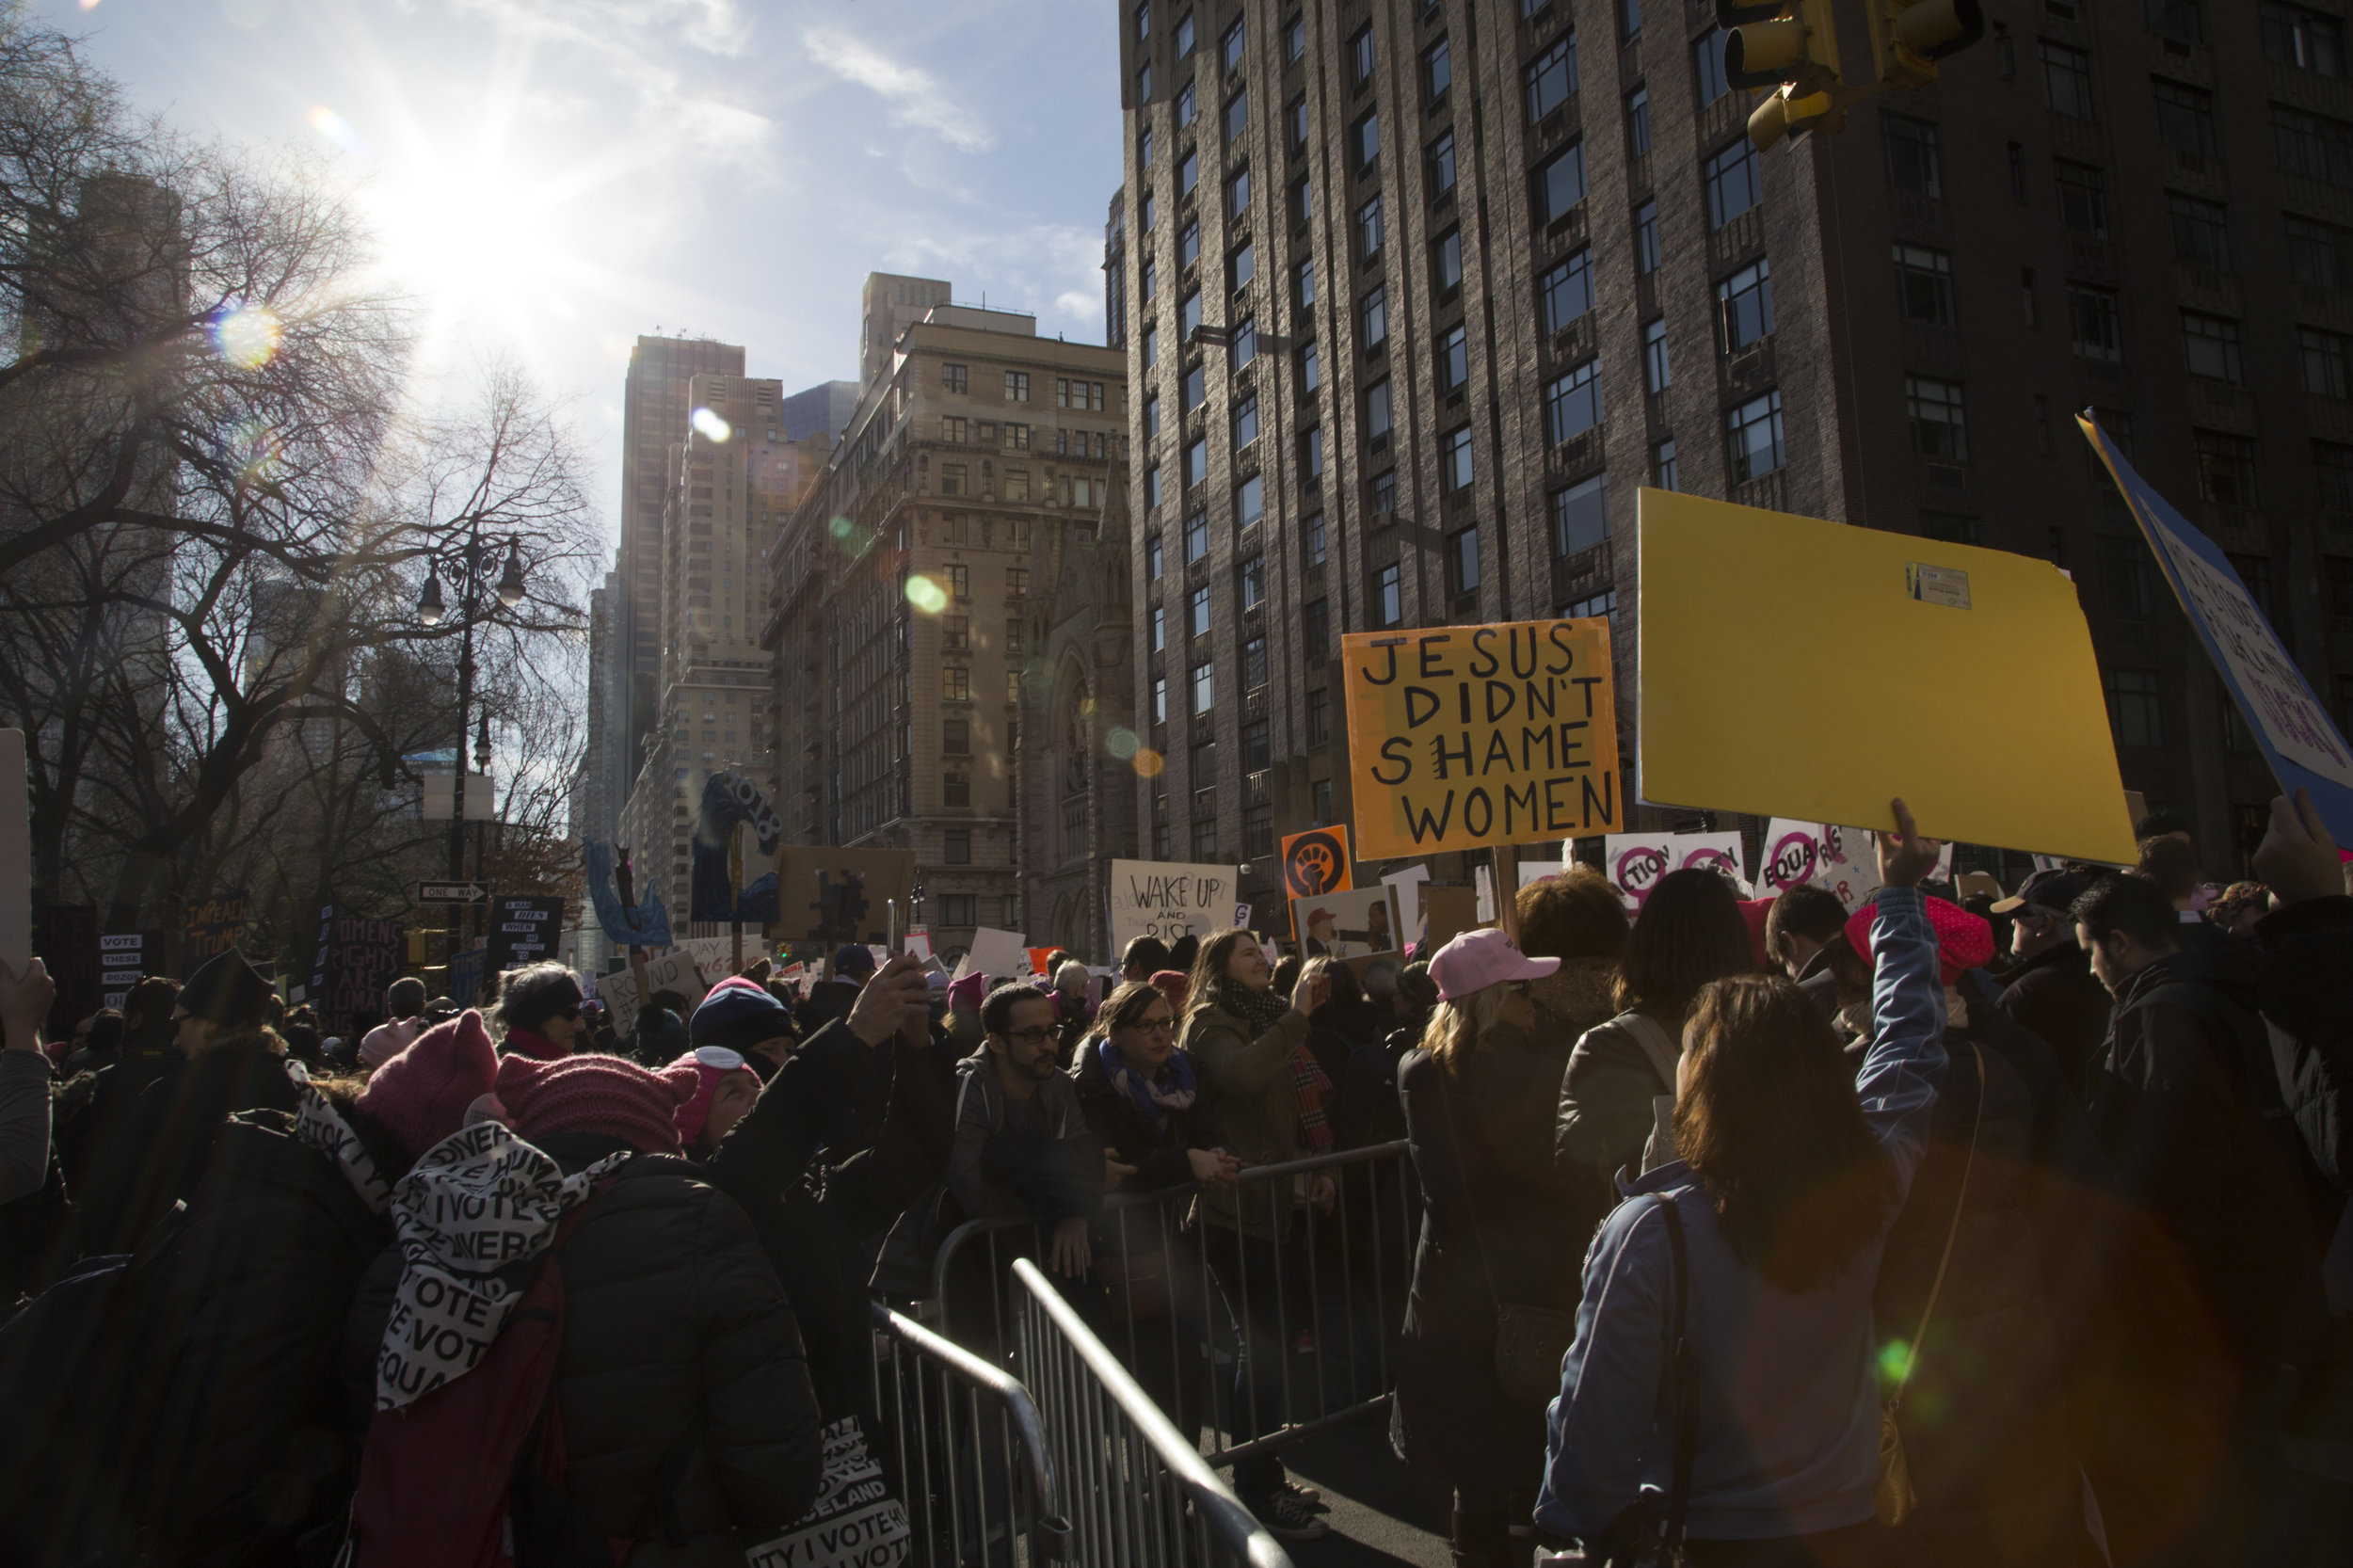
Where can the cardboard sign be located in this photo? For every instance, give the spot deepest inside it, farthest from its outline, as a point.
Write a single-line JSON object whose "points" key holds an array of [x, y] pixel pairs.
{"points": [[1168, 900], [1038, 958], [998, 955], [123, 960], [1979, 885], [1727, 724], [1446, 912], [713, 955], [354, 960], [524, 931], [918, 943], [1316, 861], [674, 970], [1357, 923], [1406, 885], [1634, 862], [2289, 722], [1471, 735], [839, 896], [1792, 856], [1850, 864], [214, 927], [1720, 852], [16, 854]]}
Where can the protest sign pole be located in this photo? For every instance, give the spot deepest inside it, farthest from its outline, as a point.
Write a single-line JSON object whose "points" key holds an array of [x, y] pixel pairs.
{"points": [[637, 969], [1507, 874], [735, 929]]}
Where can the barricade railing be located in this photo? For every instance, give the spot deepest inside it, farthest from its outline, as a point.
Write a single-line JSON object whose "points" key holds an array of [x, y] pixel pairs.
{"points": [[1142, 1494], [1259, 1331], [974, 1467]]}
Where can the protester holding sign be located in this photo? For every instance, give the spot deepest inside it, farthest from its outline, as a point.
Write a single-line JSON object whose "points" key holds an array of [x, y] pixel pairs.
{"points": [[1620, 1088]]}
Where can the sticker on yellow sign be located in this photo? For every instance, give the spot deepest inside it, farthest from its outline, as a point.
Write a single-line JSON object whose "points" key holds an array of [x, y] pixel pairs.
{"points": [[1959, 678], [1463, 736]]}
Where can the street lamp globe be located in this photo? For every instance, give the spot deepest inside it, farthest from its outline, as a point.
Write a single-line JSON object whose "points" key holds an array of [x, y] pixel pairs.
{"points": [[511, 580], [429, 603]]}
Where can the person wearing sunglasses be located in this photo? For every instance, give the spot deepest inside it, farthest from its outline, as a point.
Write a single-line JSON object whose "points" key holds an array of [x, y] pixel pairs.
{"points": [[539, 1012]]}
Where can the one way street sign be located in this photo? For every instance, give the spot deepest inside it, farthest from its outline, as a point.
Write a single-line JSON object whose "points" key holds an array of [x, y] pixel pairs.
{"points": [[452, 892]]}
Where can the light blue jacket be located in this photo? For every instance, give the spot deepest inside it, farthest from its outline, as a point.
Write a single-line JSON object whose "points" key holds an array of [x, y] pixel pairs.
{"points": [[1788, 1397]]}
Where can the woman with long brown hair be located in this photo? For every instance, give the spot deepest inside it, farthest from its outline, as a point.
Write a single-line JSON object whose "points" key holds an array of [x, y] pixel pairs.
{"points": [[1756, 1251]]}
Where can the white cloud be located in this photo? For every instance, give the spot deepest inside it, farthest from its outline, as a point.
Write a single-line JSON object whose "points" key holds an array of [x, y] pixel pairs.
{"points": [[915, 95]]}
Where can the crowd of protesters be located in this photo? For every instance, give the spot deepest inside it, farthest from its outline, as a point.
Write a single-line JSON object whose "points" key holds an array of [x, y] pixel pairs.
{"points": [[1769, 1235]]}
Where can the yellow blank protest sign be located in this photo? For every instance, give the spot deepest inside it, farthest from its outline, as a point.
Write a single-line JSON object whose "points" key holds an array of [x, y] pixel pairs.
{"points": [[1792, 668], [1462, 736]]}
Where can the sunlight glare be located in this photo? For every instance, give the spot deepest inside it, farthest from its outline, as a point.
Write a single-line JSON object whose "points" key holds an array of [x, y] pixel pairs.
{"points": [[335, 128], [247, 336], [926, 595], [710, 425]]}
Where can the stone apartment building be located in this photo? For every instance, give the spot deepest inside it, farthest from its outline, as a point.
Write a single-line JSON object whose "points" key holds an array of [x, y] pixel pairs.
{"points": [[947, 612], [1415, 295], [732, 483]]}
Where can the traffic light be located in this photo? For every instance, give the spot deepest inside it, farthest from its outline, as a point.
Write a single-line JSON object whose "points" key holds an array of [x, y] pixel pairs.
{"points": [[1791, 47], [1909, 36]]}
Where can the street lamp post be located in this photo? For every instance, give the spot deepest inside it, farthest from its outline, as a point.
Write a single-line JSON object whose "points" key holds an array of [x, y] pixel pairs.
{"points": [[470, 567]]}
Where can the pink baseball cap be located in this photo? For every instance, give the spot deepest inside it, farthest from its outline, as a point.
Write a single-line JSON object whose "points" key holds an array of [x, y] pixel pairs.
{"points": [[1478, 959]]}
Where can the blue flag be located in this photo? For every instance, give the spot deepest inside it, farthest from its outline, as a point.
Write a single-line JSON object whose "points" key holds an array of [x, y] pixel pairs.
{"points": [[2305, 748], [724, 887], [644, 923]]}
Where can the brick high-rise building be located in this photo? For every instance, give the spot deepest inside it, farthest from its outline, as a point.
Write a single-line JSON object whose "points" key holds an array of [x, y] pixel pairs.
{"points": [[1416, 296], [948, 613]]}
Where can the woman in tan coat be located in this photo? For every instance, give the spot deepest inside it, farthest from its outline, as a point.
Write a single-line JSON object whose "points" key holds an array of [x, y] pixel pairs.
{"points": [[1268, 1099]]}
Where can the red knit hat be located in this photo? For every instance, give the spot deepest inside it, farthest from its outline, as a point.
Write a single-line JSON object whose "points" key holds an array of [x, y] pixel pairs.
{"points": [[1963, 941], [422, 1091], [594, 1092]]}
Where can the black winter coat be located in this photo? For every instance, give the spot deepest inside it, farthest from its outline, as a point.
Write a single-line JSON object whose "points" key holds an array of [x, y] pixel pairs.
{"points": [[207, 1417], [1127, 1132], [169, 1136], [675, 1332], [1499, 1226], [2055, 995], [2307, 992]]}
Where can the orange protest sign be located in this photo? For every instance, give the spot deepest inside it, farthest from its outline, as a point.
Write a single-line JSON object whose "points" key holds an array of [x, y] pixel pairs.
{"points": [[1316, 861], [1464, 736]]}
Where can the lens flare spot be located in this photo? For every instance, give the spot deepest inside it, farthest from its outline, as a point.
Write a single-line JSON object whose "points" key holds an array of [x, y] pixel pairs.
{"points": [[1122, 741], [710, 425], [1892, 1358], [254, 448], [926, 595], [335, 128], [1086, 707], [247, 336], [1148, 763]]}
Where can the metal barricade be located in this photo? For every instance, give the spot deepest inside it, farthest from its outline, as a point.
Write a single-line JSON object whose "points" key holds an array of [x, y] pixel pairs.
{"points": [[1145, 1497], [1258, 1338], [973, 1465]]}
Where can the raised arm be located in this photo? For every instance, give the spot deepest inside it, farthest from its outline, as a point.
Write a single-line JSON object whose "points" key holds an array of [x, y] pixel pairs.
{"points": [[1899, 1079]]}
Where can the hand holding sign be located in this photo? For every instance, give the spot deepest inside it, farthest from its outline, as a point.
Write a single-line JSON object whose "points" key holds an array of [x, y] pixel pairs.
{"points": [[2297, 859]]}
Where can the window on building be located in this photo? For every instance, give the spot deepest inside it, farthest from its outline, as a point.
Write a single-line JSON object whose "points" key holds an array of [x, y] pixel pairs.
{"points": [[2134, 712], [2332, 467], [1441, 166], [1384, 493], [1295, 118], [1197, 606], [1560, 184], [1437, 71], [1318, 717], [1250, 580], [2336, 587], [1184, 36], [1453, 360], [1229, 47], [1017, 438], [1152, 486], [1157, 630], [1316, 628], [1204, 688], [1253, 666], [1311, 534], [1736, 182], [1151, 347], [2312, 145], [1249, 500], [1366, 139], [1160, 699], [1152, 567], [1923, 285], [1580, 516], [1195, 388], [1646, 238], [2200, 232], [1017, 387], [1462, 563], [1638, 122], [2325, 360], [1445, 266], [1744, 305], [1389, 601], [1914, 163], [2210, 346], [1311, 452], [1565, 292], [2180, 19], [1940, 422], [2095, 322], [1360, 54], [2307, 40], [1454, 459], [1656, 377], [1551, 77], [1368, 230], [2083, 198], [1572, 403], [958, 909], [953, 379], [2316, 251], [2184, 117], [1204, 840], [2255, 572], [955, 737], [1245, 421], [1197, 535], [1310, 367], [1303, 202], [1377, 413], [1143, 21], [1188, 243], [1016, 581], [1188, 174], [2066, 80], [1708, 66], [1752, 433], [2226, 468], [1237, 195], [1374, 314], [1152, 417], [1244, 344], [2126, 584]]}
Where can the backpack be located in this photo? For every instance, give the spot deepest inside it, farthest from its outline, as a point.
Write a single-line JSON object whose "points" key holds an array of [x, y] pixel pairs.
{"points": [[471, 1475]]}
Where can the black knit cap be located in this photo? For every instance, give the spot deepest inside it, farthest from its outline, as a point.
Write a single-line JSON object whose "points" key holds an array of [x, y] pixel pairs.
{"points": [[227, 992]]}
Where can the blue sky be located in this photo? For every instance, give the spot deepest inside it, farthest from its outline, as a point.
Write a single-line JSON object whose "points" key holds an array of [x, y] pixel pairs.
{"points": [[554, 177]]}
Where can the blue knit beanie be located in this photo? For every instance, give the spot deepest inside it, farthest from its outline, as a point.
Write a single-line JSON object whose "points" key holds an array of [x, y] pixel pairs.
{"points": [[738, 1013]]}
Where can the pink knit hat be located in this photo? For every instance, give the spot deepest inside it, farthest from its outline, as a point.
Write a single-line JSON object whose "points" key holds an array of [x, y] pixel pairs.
{"points": [[709, 1064], [422, 1091], [594, 1093]]}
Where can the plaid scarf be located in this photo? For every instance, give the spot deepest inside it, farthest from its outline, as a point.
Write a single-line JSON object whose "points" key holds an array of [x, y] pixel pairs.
{"points": [[1309, 1084]]}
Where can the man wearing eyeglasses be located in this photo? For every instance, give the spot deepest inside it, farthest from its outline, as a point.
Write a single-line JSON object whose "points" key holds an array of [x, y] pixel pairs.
{"points": [[1022, 1143], [2051, 989]]}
